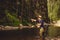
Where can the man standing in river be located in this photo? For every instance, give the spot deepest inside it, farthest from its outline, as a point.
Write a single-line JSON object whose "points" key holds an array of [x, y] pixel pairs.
{"points": [[40, 24]]}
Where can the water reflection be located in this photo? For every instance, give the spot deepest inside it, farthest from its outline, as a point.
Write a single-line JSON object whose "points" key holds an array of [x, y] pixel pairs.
{"points": [[57, 24], [54, 31]]}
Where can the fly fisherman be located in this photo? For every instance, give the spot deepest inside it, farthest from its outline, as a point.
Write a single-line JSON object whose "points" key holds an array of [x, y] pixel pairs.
{"points": [[40, 24]]}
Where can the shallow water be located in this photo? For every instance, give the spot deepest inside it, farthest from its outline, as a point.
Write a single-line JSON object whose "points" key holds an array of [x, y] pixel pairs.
{"points": [[53, 31], [24, 34]]}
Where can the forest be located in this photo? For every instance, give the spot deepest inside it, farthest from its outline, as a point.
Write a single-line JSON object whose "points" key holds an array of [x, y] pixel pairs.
{"points": [[15, 12]]}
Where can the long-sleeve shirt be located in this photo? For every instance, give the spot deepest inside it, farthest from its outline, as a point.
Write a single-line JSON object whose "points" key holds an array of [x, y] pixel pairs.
{"points": [[41, 22]]}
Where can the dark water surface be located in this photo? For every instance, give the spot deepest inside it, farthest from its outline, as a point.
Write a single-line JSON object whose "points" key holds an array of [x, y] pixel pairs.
{"points": [[24, 34]]}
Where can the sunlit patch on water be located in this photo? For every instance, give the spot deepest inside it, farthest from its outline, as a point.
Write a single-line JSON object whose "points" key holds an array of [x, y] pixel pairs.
{"points": [[57, 23]]}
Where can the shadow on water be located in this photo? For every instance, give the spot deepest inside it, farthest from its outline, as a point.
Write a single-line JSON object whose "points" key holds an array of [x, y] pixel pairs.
{"points": [[24, 34]]}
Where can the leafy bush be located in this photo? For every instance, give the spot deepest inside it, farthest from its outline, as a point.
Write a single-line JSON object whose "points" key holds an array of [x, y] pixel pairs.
{"points": [[12, 19]]}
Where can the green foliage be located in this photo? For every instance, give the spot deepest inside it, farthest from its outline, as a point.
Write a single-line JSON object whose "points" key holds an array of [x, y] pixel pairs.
{"points": [[25, 22], [14, 21], [53, 7]]}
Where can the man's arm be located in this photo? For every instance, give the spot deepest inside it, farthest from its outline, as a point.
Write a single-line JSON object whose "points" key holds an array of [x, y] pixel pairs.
{"points": [[33, 20]]}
